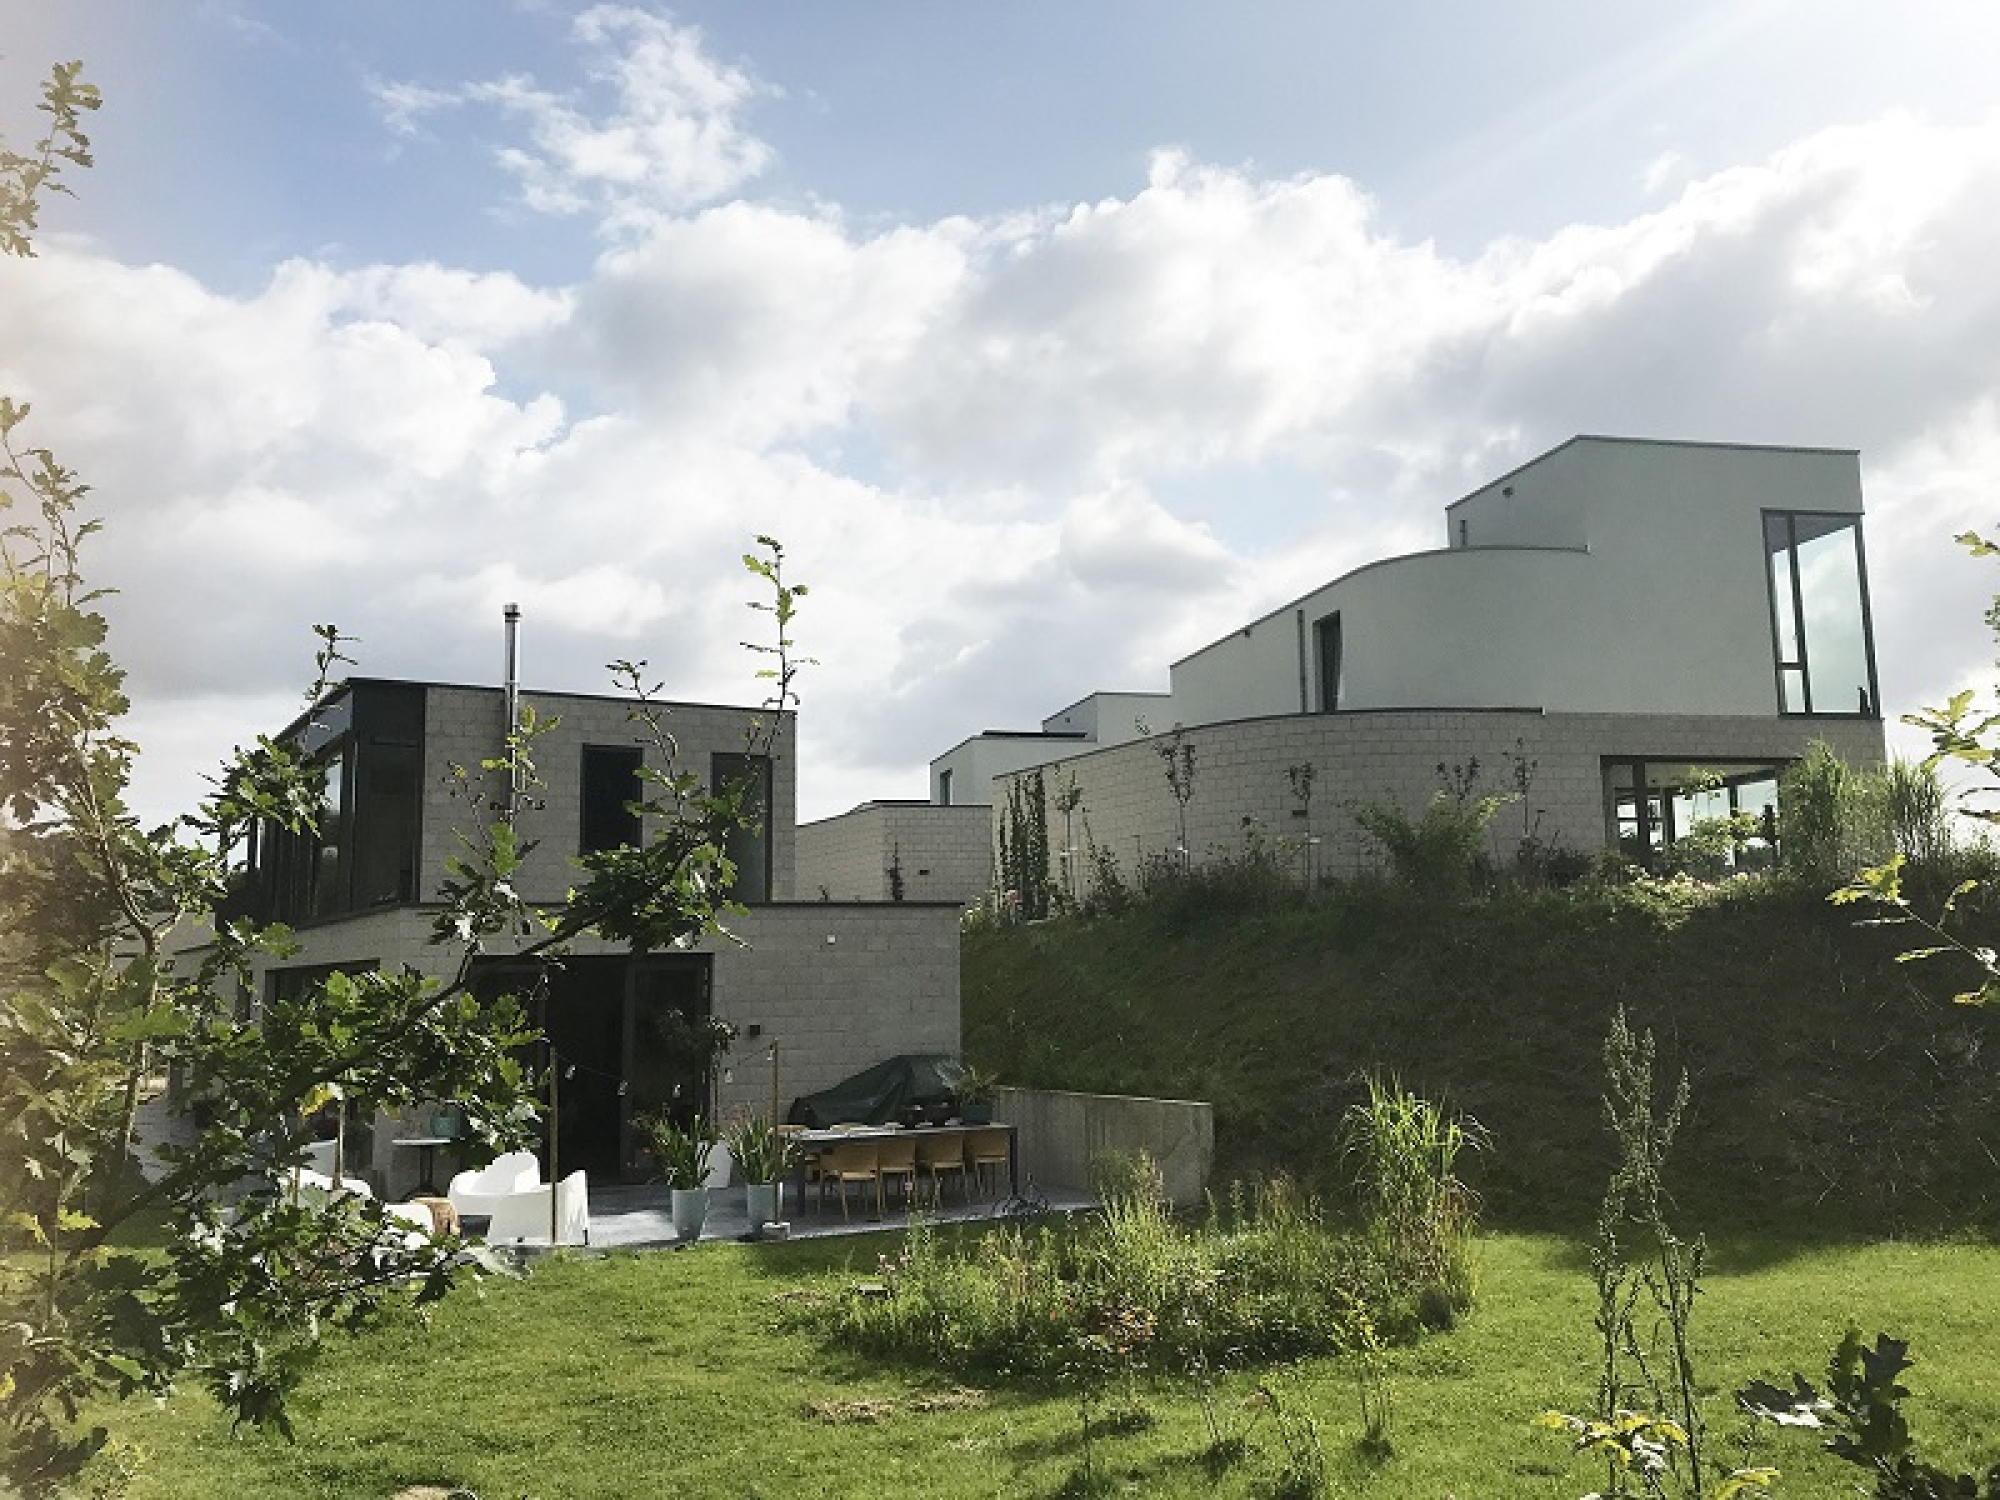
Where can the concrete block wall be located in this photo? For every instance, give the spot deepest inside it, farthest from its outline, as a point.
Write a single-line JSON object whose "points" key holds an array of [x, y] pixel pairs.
{"points": [[836, 987], [1392, 756], [945, 852], [1063, 1134], [464, 725]]}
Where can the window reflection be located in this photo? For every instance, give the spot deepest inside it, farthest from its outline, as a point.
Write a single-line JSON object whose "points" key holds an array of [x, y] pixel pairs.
{"points": [[1819, 613], [1712, 817]]}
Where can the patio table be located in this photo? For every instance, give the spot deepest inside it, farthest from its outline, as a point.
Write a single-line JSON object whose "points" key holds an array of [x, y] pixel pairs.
{"points": [[805, 1141]]}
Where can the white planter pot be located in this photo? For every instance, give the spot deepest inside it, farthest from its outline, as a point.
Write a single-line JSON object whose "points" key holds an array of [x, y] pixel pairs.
{"points": [[690, 1207], [765, 1201]]}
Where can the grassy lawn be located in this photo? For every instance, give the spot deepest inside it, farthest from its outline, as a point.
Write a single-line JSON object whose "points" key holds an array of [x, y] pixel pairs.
{"points": [[683, 1373]]}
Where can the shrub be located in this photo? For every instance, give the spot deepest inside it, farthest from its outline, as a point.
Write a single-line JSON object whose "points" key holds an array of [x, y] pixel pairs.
{"points": [[1915, 812], [1268, 1278], [1440, 852], [1818, 802]]}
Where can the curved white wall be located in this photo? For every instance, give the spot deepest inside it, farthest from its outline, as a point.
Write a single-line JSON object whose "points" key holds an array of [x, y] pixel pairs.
{"points": [[1644, 592]]}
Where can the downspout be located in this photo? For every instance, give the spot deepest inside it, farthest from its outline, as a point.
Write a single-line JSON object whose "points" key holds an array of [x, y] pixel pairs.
{"points": [[1305, 690]]}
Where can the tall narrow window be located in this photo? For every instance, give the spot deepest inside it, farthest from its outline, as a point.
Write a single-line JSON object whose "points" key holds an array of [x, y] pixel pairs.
{"points": [[1819, 614], [610, 789], [329, 890], [944, 787], [749, 846], [1326, 643]]}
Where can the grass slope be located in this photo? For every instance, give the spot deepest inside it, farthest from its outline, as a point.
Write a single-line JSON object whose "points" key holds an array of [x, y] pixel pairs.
{"points": [[1832, 1091]]}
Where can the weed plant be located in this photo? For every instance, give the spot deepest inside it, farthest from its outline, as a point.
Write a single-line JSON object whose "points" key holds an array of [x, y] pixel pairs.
{"points": [[1421, 1218]]}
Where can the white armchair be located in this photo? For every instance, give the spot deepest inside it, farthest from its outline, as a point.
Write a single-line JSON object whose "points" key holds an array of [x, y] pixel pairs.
{"points": [[479, 1194], [523, 1217]]}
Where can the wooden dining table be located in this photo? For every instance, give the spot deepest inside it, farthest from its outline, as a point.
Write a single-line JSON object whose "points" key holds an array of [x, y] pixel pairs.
{"points": [[806, 1142]]}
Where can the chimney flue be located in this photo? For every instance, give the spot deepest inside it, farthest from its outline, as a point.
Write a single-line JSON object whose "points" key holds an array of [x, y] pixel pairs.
{"points": [[512, 689]]}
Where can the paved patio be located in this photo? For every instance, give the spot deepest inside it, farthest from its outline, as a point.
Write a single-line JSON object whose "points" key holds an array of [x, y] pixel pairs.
{"points": [[638, 1217]]}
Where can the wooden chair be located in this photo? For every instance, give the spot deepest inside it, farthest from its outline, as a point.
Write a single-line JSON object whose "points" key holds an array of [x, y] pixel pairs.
{"points": [[938, 1154], [895, 1157], [988, 1150], [849, 1161]]}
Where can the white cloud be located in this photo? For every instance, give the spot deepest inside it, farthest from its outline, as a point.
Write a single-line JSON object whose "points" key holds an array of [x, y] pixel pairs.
{"points": [[1122, 538], [670, 137], [999, 451]]}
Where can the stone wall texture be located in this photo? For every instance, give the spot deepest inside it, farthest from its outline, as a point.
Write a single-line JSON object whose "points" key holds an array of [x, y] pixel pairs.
{"points": [[1241, 787], [945, 853], [464, 725], [1063, 1134]]}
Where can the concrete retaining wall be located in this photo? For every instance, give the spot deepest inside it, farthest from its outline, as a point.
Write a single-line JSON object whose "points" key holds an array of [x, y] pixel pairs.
{"points": [[1062, 1133]]}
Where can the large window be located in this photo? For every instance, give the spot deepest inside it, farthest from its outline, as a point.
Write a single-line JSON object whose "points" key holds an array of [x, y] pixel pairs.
{"points": [[367, 751], [1819, 614], [749, 846], [1719, 815], [610, 792]]}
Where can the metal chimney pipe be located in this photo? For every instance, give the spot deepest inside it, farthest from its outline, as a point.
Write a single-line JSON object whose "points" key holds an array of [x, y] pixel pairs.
{"points": [[512, 615]]}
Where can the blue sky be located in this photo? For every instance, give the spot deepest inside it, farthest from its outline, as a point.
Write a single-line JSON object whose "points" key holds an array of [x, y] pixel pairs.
{"points": [[1055, 340]]}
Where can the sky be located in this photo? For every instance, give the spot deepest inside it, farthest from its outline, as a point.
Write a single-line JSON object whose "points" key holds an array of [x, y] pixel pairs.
{"points": [[1054, 341]]}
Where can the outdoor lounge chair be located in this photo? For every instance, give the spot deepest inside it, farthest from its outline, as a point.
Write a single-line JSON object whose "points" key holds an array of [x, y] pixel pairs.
{"points": [[523, 1217], [479, 1194]]}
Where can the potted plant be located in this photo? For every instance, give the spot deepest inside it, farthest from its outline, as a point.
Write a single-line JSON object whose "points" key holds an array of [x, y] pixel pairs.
{"points": [[975, 1096], [682, 1156], [762, 1152]]}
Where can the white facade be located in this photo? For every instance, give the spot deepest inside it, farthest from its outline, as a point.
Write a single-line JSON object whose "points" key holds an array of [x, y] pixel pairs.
{"points": [[1608, 576], [963, 775], [1644, 615]]}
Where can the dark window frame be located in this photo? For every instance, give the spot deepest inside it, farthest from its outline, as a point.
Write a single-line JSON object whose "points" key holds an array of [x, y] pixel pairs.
{"points": [[601, 826], [1791, 609], [1646, 819], [1330, 657], [754, 861]]}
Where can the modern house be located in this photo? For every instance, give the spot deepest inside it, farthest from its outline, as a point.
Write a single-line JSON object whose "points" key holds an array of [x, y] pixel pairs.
{"points": [[817, 989], [1633, 635]]}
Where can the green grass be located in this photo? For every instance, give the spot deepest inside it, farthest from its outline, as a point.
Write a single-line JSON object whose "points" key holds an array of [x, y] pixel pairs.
{"points": [[1836, 1103], [683, 1373]]}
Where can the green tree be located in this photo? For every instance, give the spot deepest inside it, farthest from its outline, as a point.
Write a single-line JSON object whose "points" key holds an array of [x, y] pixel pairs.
{"points": [[1024, 847], [114, 1282], [1964, 732]]}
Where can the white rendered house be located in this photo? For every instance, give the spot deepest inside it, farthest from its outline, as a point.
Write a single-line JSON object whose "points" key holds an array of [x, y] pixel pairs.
{"points": [[1633, 634]]}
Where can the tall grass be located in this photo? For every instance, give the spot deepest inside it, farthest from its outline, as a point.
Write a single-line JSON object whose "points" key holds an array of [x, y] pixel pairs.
{"points": [[1834, 819], [1421, 1217], [1267, 1277]]}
